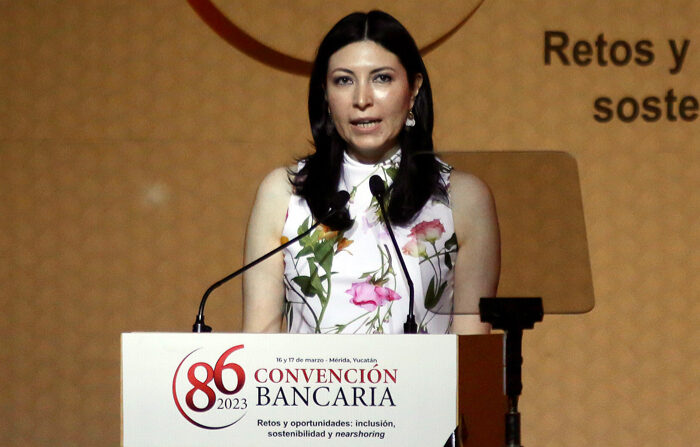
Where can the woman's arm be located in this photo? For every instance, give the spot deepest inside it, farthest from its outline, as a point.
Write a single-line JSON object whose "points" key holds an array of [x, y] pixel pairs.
{"points": [[263, 287], [478, 263]]}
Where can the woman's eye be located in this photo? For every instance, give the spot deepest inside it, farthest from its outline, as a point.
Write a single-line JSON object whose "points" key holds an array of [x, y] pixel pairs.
{"points": [[342, 80], [382, 77]]}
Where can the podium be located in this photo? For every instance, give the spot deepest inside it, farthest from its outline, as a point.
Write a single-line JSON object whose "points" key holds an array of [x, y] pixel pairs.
{"points": [[182, 389]]}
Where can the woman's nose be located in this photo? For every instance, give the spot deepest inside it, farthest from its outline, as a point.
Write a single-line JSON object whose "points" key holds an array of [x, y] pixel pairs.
{"points": [[363, 96]]}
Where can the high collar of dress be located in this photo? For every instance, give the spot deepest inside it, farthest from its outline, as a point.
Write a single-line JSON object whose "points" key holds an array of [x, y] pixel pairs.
{"points": [[351, 162]]}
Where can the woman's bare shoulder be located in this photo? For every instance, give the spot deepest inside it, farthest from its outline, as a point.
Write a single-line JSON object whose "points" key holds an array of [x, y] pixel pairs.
{"points": [[272, 199], [469, 193], [275, 189], [276, 181]]}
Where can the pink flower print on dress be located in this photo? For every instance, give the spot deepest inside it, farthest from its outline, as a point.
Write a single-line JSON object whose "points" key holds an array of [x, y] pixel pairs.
{"points": [[428, 231], [386, 294], [370, 220], [414, 248], [369, 297]]}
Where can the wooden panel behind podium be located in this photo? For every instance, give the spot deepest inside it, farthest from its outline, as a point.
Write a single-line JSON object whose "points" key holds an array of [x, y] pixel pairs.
{"points": [[482, 402]]}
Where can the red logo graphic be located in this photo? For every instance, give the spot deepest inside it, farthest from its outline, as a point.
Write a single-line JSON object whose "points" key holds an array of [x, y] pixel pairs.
{"points": [[208, 391]]}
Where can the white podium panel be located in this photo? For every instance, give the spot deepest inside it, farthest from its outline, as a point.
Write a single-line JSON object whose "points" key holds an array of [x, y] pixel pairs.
{"points": [[293, 390]]}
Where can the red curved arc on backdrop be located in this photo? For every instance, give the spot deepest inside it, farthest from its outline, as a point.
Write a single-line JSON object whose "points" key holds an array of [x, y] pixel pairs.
{"points": [[257, 50], [440, 40], [244, 42]]}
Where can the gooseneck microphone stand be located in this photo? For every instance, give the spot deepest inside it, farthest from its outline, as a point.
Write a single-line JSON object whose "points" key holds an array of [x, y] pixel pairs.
{"points": [[199, 325], [378, 189], [337, 206]]}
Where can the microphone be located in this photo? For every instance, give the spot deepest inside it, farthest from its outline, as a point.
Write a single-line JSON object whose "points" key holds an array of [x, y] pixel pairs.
{"points": [[337, 218], [377, 188]]}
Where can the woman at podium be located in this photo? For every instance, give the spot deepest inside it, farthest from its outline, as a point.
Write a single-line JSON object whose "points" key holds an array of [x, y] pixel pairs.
{"points": [[371, 114]]}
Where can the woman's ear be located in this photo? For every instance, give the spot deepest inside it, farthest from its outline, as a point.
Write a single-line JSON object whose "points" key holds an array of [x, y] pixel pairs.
{"points": [[417, 83]]}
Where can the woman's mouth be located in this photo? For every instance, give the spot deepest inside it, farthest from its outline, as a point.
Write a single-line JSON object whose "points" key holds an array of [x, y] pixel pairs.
{"points": [[366, 123]]}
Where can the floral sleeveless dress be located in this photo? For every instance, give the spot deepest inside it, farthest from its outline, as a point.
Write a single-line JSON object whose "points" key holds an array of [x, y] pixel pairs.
{"points": [[351, 282]]}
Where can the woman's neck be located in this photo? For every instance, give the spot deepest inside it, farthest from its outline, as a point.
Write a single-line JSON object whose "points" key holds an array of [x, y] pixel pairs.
{"points": [[371, 159]]}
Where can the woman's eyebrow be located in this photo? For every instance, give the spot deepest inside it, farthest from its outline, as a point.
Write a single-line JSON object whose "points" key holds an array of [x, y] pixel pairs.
{"points": [[382, 69], [347, 70], [344, 70]]}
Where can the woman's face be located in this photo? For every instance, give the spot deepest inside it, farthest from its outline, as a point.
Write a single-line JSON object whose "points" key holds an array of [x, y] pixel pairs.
{"points": [[369, 97]]}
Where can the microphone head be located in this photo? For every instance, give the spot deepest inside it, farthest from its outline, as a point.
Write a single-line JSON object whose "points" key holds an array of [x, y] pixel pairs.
{"points": [[338, 217], [339, 200], [376, 186]]}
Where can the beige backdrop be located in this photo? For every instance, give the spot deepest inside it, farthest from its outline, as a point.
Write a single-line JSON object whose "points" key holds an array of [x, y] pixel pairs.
{"points": [[132, 138]]}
